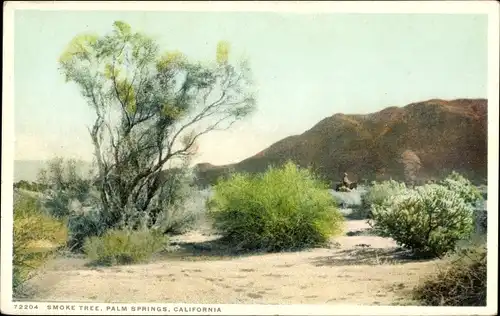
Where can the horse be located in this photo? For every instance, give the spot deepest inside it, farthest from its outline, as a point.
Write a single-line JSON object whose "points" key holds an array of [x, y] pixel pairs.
{"points": [[352, 186]]}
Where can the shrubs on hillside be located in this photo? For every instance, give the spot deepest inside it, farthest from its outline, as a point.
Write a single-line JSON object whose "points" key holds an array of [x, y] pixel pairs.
{"points": [[123, 246], [284, 208], [461, 283], [36, 237]]}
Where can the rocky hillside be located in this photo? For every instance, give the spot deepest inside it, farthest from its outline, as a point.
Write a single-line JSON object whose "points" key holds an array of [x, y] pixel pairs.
{"points": [[417, 142]]}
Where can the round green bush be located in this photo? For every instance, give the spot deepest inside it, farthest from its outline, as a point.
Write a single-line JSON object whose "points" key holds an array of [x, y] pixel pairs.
{"points": [[430, 220], [283, 209]]}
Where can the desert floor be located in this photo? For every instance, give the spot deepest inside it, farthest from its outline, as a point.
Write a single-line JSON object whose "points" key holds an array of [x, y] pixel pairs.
{"points": [[356, 269]]}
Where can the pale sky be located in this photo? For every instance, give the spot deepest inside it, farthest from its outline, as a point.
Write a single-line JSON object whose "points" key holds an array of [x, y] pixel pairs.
{"points": [[306, 67]]}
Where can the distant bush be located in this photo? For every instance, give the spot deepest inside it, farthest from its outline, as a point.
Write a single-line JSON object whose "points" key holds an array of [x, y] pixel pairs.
{"points": [[284, 208], [180, 205], [83, 225], [461, 283], [30, 186], [378, 192], [36, 237], [63, 184], [429, 220], [116, 247], [359, 212]]}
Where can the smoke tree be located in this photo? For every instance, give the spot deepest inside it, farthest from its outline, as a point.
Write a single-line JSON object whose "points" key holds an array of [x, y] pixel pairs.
{"points": [[150, 109]]}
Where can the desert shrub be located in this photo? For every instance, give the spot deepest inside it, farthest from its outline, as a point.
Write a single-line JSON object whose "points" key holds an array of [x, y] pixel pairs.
{"points": [[179, 203], [481, 217], [64, 183], [463, 187], [84, 225], [284, 208], [359, 212], [36, 238], [429, 220], [472, 195], [462, 282], [117, 247], [379, 192]]}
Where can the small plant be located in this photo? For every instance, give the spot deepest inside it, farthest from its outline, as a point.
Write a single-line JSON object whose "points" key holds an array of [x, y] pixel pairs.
{"points": [[462, 282], [116, 247], [429, 220], [282, 209], [36, 238]]}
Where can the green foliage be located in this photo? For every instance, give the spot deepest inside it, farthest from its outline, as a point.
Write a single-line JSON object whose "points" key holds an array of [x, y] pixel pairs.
{"points": [[429, 220], [84, 225], [378, 193], [222, 52], [463, 187], [30, 186], [180, 204], [35, 239], [359, 212], [462, 282], [150, 110], [64, 183], [285, 208], [472, 195], [117, 247]]}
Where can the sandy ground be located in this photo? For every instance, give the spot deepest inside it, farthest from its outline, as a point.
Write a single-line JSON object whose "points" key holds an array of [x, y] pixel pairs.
{"points": [[359, 269]]}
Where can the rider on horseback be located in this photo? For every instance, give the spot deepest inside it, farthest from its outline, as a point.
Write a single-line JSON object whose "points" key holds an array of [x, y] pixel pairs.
{"points": [[345, 181]]}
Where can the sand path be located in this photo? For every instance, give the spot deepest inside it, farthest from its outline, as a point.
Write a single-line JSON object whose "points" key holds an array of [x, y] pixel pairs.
{"points": [[357, 270]]}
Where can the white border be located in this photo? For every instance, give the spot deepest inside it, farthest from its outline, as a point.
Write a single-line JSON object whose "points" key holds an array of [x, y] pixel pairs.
{"points": [[448, 7]]}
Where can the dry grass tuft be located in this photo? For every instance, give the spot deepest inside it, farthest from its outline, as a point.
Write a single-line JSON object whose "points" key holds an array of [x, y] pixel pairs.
{"points": [[461, 283]]}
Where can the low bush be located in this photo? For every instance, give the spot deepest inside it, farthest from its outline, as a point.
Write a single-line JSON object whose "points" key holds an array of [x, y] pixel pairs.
{"points": [[462, 282], [36, 238], [116, 247], [429, 220], [359, 212], [285, 208], [84, 225]]}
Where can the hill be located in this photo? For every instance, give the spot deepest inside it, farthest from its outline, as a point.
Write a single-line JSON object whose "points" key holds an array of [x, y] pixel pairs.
{"points": [[417, 142]]}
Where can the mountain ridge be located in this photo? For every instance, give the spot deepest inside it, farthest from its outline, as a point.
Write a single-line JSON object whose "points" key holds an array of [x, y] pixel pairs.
{"points": [[416, 142], [448, 135]]}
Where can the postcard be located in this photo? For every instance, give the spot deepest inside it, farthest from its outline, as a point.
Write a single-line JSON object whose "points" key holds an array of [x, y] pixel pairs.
{"points": [[250, 158]]}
